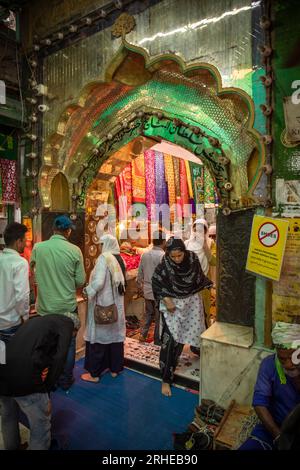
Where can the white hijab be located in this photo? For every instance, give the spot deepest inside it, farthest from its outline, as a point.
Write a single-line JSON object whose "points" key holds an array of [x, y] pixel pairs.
{"points": [[110, 247], [195, 243]]}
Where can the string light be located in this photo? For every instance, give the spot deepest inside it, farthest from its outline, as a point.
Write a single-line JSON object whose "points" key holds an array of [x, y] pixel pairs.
{"points": [[200, 24]]}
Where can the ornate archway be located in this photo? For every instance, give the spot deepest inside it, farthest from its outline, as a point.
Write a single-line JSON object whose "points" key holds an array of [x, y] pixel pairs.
{"points": [[161, 98]]}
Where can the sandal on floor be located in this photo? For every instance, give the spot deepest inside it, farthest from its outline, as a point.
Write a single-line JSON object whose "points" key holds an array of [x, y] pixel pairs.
{"points": [[89, 378]]}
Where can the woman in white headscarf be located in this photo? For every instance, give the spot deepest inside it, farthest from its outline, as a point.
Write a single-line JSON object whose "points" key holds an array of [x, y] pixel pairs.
{"points": [[105, 343], [198, 243]]}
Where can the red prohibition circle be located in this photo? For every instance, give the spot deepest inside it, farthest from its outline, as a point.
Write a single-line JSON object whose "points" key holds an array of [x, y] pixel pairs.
{"points": [[276, 229]]}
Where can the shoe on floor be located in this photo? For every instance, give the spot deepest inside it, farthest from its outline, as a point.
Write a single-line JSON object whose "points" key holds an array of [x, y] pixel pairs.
{"points": [[88, 378]]}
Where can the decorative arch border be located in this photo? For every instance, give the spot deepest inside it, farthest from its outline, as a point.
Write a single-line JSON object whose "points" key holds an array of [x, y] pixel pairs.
{"points": [[212, 153]]}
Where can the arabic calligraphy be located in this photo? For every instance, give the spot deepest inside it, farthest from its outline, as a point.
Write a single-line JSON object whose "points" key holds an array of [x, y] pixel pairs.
{"points": [[169, 126]]}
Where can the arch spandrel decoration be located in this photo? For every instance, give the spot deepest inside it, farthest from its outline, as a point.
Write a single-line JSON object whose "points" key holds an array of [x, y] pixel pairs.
{"points": [[161, 97]]}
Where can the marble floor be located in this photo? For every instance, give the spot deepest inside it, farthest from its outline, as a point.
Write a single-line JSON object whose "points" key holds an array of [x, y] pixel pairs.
{"points": [[147, 354]]}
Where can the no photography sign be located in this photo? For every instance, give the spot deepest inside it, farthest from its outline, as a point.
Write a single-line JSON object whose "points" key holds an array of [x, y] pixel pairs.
{"points": [[268, 234], [267, 246]]}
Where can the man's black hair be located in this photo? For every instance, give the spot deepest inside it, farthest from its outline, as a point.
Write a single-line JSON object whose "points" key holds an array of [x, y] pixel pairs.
{"points": [[14, 232], [158, 237]]}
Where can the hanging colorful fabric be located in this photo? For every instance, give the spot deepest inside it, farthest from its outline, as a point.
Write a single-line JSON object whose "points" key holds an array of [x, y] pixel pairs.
{"points": [[197, 175], [9, 183], [149, 156], [127, 184], [121, 198], [184, 189], [176, 164], [209, 188], [138, 180], [160, 180], [170, 178]]}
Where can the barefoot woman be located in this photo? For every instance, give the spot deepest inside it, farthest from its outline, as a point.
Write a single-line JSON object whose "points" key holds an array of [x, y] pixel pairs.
{"points": [[176, 283], [105, 343]]}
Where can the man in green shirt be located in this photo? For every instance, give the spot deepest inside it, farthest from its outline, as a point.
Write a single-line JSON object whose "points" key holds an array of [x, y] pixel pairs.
{"points": [[59, 270]]}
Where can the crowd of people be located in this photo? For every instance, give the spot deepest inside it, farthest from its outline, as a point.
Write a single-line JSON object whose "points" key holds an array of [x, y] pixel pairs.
{"points": [[175, 279]]}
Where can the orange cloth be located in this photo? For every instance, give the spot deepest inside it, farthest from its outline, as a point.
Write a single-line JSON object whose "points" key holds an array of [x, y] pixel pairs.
{"points": [[170, 178], [138, 180]]}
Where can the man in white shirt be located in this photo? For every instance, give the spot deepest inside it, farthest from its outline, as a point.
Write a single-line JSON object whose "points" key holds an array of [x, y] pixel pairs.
{"points": [[14, 281], [149, 261]]}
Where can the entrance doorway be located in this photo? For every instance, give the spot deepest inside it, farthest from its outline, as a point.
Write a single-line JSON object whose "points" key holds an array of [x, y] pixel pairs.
{"points": [[140, 175]]}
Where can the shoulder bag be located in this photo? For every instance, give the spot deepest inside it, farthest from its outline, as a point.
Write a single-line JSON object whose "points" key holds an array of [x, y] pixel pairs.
{"points": [[106, 315]]}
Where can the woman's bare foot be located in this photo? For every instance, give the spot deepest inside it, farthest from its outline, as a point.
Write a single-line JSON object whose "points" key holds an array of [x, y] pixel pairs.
{"points": [[114, 374], [166, 389], [88, 378]]}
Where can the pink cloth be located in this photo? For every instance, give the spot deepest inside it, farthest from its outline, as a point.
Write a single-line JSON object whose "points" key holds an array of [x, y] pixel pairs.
{"points": [[150, 182]]}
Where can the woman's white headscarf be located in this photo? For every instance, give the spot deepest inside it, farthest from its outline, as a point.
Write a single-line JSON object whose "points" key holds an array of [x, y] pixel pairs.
{"points": [[195, 243], [110, 247]]}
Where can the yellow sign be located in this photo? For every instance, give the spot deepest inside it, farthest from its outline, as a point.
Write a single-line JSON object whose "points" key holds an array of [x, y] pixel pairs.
{"points": [[286, 299], [267, 245]]}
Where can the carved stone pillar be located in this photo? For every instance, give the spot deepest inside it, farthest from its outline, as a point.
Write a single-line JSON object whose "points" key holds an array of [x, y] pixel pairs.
{"points": [[235, 287]]}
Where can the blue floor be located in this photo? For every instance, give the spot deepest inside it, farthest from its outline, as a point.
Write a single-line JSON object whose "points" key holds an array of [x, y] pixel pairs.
{"points": [[126, 413]]}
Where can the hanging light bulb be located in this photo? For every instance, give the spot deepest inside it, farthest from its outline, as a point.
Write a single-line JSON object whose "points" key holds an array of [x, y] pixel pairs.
{"points": [[267, 110], [226, 211], [33, 118], [73, 28], [228, 186], [103, 13], [88, 21], [266, 51], [32, 82], [31, 100], [267, 80], [267, 169], [118, 4], [36, 47], [31, 155], [46, 42], [32, 137], [266, 139], [264, 22], [59, 35], [33, 63]]}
